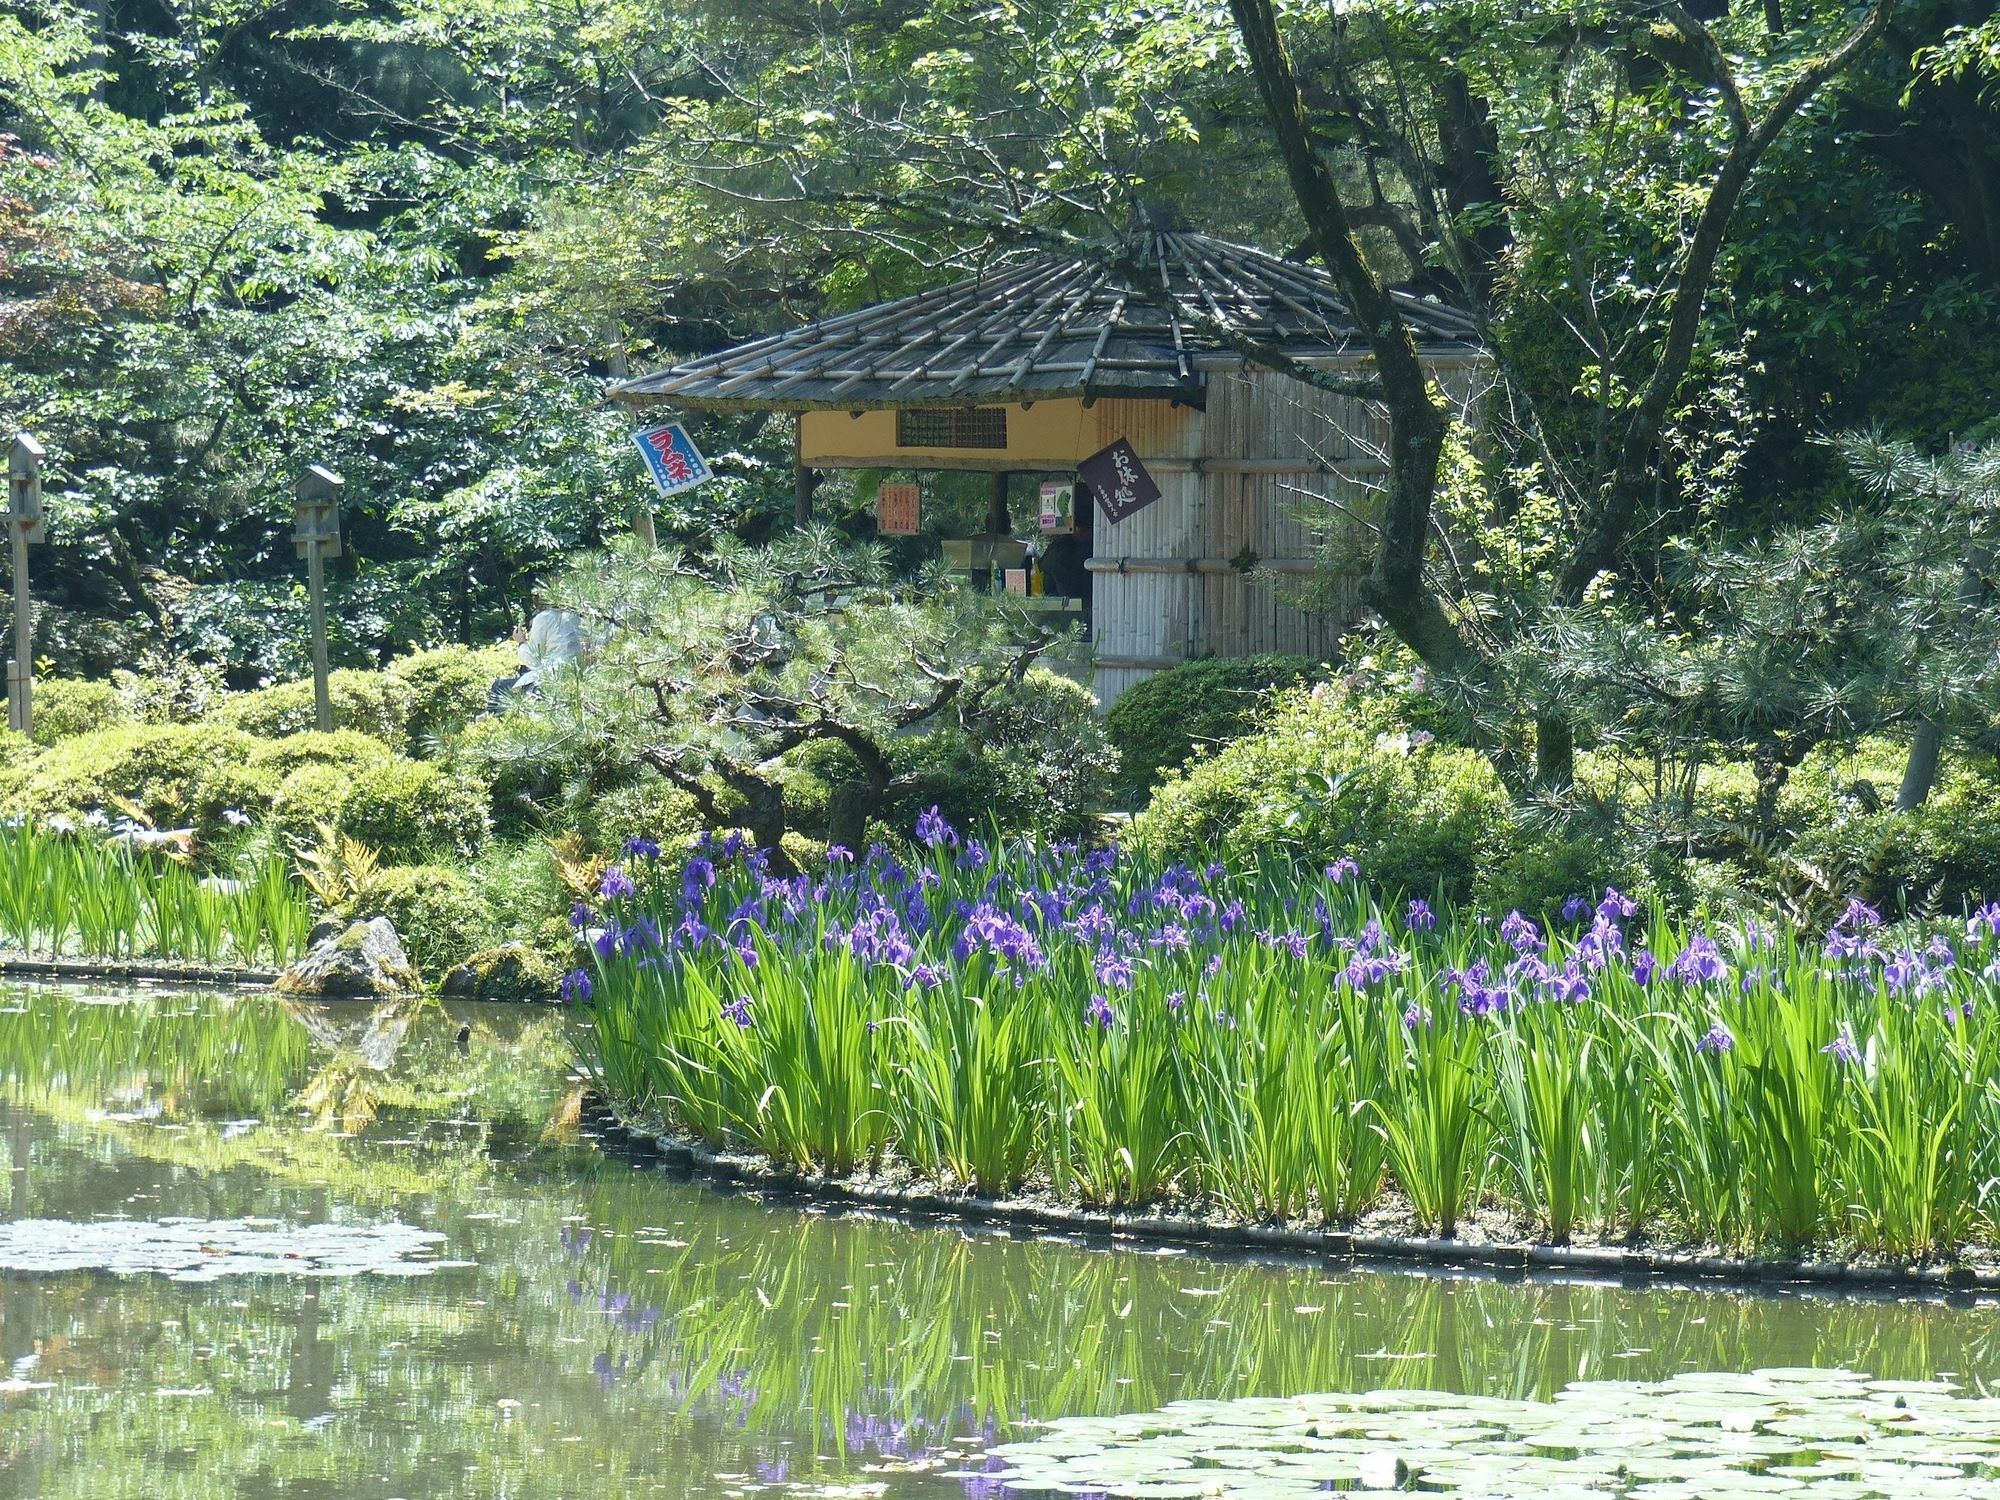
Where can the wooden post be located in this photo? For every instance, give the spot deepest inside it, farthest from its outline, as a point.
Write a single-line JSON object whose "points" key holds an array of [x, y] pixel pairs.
{"points": [[317, 496], [24, 522], [999, 520], [804, 480]]}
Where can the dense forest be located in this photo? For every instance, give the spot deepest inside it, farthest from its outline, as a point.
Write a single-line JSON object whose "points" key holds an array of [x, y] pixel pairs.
{"points": [[412, 239]]}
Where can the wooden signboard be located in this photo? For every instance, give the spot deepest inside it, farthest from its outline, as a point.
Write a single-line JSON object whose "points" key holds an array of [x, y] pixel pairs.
{"points": [[898, 510], [1118, 481]]}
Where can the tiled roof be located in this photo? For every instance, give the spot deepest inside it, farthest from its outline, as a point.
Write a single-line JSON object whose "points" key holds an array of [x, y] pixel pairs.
{"points": [[1049, 325]]}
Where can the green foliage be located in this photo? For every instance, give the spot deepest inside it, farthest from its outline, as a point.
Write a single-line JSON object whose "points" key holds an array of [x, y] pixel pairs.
{"points": [[1036, 760], [376, 704], [66, 706], [347, 750], [713, 673], [582, 782], [1318, 782], [1942, 856], [448, 687], [399, 806], [64, 894], [520, 884], [435, 909], [179, 775], [1161, 723]]}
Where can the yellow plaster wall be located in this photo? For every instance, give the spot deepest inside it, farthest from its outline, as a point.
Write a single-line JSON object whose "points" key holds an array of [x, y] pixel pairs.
{"points": [[1044, 435]]}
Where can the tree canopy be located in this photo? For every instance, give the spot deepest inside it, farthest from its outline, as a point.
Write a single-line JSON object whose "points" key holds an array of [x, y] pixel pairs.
{"points": [[411, 239]]}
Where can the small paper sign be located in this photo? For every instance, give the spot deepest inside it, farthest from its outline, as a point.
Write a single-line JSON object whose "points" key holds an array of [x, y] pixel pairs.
{"points": [[676, 464], [1058, 509], [1118, 481], [898, 509]]}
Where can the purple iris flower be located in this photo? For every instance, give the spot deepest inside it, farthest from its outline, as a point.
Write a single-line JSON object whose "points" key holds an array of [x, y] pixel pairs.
{"points": [[1520, 934], [576, 987], [1101, 1013], [933, 830], [1419, 917], [1699, 962], [1842, 1049], [1718, 1038], [738, 1010], [615, 884]]}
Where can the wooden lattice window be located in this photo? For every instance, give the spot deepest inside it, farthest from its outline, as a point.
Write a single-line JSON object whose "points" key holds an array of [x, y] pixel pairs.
{"points": [[952, 427]]}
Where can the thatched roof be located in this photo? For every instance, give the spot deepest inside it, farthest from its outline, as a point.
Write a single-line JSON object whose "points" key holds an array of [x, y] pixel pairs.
{"points": [[1047, 326]]}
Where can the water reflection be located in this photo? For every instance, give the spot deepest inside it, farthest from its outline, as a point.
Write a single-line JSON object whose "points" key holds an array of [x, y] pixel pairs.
{"points": [[623, 1332]]}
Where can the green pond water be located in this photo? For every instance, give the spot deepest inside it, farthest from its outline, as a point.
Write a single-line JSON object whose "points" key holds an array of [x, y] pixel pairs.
{"points": [[248, 1248]]}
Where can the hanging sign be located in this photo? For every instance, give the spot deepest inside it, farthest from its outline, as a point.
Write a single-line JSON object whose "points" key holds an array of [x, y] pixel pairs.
{"points": [[1058, 509], [1118, 481], [676, 464], [898, 509]]}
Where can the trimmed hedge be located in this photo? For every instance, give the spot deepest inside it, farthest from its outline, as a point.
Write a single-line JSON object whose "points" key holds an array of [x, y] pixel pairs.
{"points": [[401, 808], [448, 687], [179, 775], [376, 703], [65, 707], [1160, 724], [1319, 782]]}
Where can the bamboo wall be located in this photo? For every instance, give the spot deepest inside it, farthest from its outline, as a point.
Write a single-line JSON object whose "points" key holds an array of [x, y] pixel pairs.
{"points": [[1238, 483]]}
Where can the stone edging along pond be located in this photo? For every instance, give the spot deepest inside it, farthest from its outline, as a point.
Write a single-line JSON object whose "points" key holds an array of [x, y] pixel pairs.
{"points": [[1667, 1267], [157, 970]]}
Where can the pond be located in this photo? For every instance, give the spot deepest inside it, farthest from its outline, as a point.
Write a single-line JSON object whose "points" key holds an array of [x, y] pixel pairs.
{"points": [[252, 1248]]}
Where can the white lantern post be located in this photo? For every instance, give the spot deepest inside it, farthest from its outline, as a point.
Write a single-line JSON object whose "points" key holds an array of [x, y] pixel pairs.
{"points": [[317, 537], [24, 522]]}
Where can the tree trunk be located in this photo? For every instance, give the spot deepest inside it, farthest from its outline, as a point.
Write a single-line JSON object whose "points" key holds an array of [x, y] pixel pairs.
{"points": [[1920, 771]]}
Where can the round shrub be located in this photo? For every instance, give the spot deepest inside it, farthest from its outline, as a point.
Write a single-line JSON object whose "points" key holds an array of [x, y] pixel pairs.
{"points": [[1316, 784], [179, 775], [533, 788], [309, 797], [1159, 724], [402, 806], [64, 707], [650, 807], [1035, 760], [347, 749], [435, 910], [448, 687], [376, 703]]}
